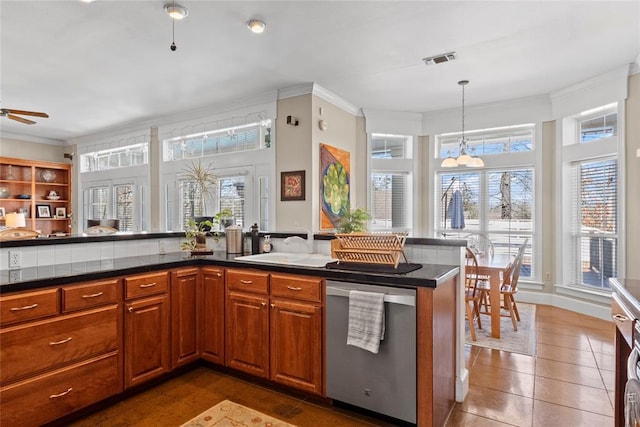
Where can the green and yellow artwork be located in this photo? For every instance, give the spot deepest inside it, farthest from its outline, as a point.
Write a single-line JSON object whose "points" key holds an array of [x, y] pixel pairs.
{"points": [[335, 169]]}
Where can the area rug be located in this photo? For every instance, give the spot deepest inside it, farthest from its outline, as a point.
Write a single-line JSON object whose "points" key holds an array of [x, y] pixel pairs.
{"points": [[230, 414], [521, 341]]}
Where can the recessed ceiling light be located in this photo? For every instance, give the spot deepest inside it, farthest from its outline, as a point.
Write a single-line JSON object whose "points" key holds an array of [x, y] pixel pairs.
{"points": [[88, 1], [176, 11], [256, 25]]}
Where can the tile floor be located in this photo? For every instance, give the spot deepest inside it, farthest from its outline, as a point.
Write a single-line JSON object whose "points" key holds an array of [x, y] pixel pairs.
{"points": [[569, 383]]}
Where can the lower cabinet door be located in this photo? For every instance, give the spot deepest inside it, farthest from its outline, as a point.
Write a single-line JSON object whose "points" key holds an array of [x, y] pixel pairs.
{"points": [[42, 399], [146, 344], [296, 345], [212, 321], [247, 322], [185, 313]]}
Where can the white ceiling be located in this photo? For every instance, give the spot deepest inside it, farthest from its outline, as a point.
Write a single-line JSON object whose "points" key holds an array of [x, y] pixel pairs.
{"points": [[94, 66]]}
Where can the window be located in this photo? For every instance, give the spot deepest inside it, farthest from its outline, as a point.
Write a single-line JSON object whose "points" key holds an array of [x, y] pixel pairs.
{"points": [[130, 155], [482, 142], [231, 195], [388, 201], [247, 137], [111, 202], [599, 124], [595, 220], [497, 203], [390, 190]]}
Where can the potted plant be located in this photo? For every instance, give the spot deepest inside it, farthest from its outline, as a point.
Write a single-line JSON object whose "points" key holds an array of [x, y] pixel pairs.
{"points": [[196, 236], [204, 181], [354, 221]]}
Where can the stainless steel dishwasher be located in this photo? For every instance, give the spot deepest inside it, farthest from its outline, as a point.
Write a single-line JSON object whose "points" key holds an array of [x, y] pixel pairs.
{"points": [[385, 382]]}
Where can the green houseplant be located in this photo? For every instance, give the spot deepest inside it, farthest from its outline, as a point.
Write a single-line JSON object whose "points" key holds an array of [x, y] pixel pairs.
{"points": [[204, 182], [354, 221], [196, 235]]}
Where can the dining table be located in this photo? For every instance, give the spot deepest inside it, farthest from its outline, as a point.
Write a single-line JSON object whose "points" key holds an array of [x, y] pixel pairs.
{"points": [[496, 267]]}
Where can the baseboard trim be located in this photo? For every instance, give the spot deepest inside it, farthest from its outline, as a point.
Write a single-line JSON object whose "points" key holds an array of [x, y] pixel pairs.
{"points": [[582, 307]]}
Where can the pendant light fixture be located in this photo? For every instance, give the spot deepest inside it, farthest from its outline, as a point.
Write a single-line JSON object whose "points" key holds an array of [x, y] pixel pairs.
{"points": [[463, 159]]}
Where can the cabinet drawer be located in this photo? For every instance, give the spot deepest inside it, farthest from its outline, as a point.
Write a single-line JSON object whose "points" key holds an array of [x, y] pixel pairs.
{"points": [[39, 346], [89, 295], [297, 287], [28, 306], [248, 281], [146, 284], [53, 395]]}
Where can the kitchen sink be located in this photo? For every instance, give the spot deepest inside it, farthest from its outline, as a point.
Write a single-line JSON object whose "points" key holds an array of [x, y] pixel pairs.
{"points": [[285, 258]]}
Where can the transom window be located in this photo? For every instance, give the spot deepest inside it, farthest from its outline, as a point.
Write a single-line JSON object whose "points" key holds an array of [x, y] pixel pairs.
{"points": [[598, 124], [115, 158], [247, 137], [482, 142], [385, 146]]}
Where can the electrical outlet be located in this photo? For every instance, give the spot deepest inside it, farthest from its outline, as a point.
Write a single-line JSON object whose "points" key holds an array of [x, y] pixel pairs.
{"points": [[547, 277], [15, 259]]}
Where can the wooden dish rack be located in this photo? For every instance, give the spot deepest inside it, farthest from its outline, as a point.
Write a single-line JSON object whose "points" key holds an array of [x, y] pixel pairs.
{"points": [[369, 248]]}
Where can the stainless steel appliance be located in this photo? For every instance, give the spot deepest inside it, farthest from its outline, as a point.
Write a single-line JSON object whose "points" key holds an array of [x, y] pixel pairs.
{"points": [[234, 239], [632, 388], [385, 382]]}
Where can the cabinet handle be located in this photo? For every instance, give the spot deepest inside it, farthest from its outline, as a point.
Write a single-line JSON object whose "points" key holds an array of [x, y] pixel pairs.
{"points": [[264, 304], [620, 317], [64, 393], [26, 307], [148, 285], [273, 306], [130, 309], [246, 282], [219, 274], [66, 340], [293, 288], [97, 294]]}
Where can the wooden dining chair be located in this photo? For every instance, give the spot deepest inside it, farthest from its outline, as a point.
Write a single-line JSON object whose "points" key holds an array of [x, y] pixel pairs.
{"points": [[508, 289], [472, 294]]}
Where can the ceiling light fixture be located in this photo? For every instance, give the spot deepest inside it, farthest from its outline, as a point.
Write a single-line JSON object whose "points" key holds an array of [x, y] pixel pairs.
{"points": [[464, 159], [257, 26], [176, 11]]}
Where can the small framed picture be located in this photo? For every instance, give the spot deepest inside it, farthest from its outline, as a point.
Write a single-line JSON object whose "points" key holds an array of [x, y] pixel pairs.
{"points": [[1, 212], [292, 185], [61, 212], [43, 211], [24, 211]]}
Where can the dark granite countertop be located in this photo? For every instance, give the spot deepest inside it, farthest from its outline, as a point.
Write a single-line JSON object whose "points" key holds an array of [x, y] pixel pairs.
{"points": [[430, 275], [628, 293]]}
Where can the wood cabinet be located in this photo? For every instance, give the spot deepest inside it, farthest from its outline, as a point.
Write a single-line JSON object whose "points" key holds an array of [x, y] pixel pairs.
{"points": [[146, 327], [212, 321], [41, 190], [296, 338], [59, 352], [247, 330], [186, 297], [274, 328]]}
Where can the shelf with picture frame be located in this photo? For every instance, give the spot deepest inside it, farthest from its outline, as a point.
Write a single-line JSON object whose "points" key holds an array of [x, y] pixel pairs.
{"points": [[26, 185]]}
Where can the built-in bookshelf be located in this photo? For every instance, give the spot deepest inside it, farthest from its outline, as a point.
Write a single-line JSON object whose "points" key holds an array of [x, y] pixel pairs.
{"points": [[40, 190]]}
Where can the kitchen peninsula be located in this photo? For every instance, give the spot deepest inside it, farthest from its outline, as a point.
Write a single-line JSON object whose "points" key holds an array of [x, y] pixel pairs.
{"points": [[132, 319]]}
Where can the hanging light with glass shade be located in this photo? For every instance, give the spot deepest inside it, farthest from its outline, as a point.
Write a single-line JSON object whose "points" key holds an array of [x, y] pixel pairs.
{"points": [[463, 159]]}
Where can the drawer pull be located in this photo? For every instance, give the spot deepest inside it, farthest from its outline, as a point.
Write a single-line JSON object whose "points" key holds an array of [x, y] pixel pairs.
{"points": [[246, 282], [620, 317], [293, 288], [66, 340], [97, 294], [130, 309], [64, 393], [273, 306], [219, 274], [264, 304], [26, 307], [148, 285]]}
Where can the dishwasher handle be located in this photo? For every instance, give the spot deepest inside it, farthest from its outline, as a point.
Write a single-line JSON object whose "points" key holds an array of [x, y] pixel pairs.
{"points": [[409, 300]]}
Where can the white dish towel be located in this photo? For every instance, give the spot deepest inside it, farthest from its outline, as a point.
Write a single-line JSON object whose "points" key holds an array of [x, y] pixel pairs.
{"points": [[366, 320]]}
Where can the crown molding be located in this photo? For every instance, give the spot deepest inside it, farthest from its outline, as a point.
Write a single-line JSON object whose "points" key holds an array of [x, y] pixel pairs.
{"points": [[594, 82], [32, 138], [319, 91]]}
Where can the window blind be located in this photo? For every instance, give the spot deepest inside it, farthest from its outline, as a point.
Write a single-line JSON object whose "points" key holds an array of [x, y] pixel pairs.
{"points": [[389, 207]]}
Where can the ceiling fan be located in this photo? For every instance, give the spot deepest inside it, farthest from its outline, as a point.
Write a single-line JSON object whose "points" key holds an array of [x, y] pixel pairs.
{"points": [[11, 113]]}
